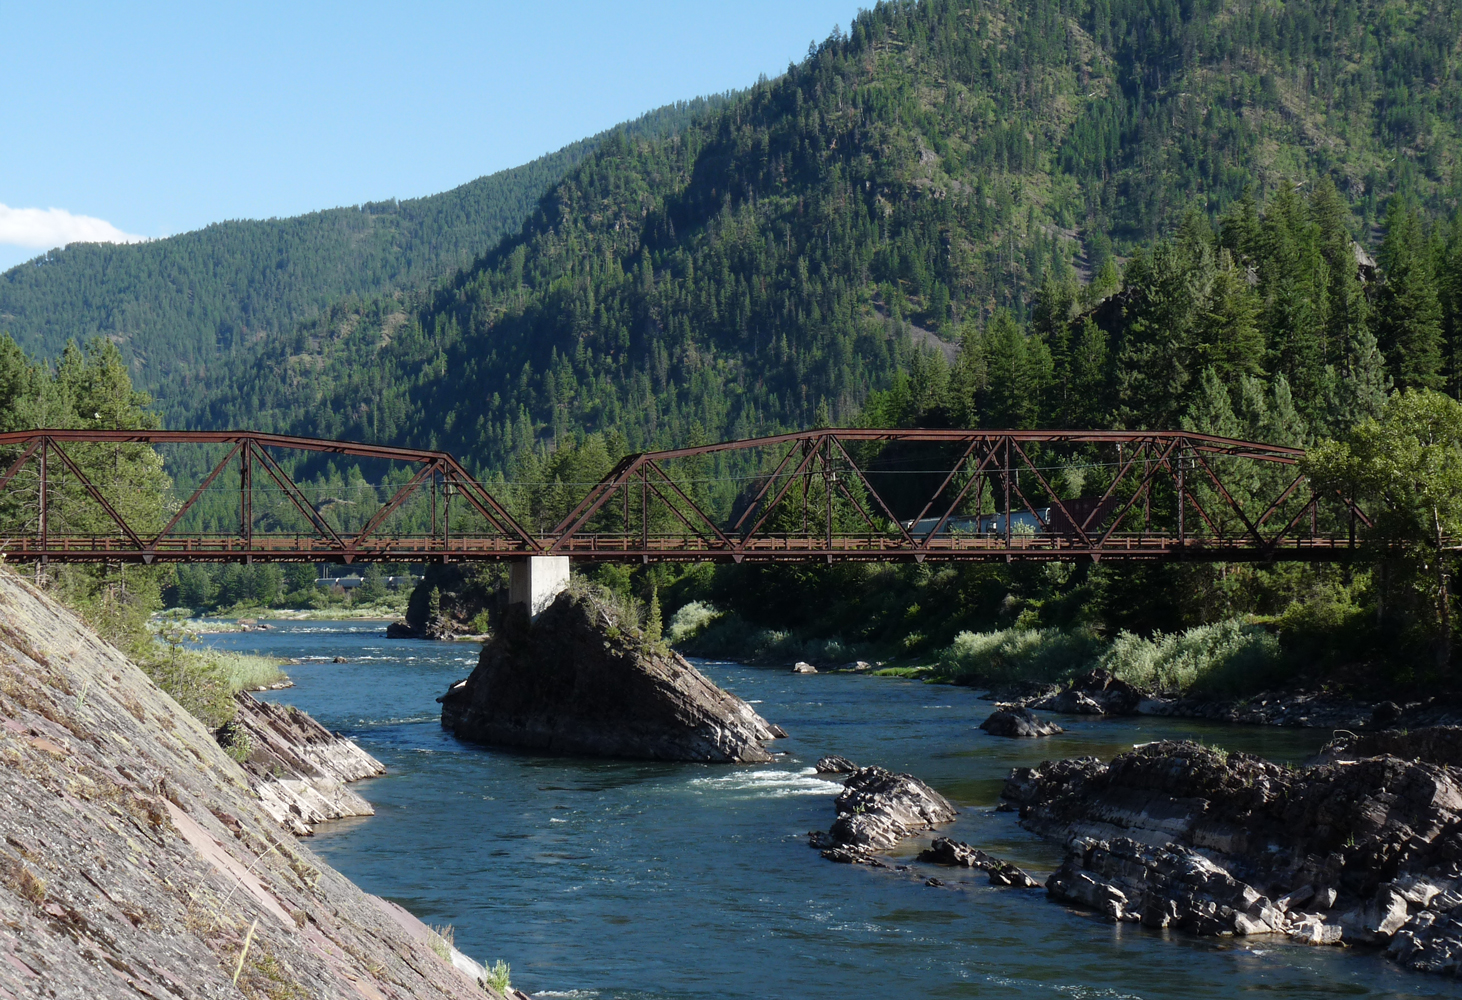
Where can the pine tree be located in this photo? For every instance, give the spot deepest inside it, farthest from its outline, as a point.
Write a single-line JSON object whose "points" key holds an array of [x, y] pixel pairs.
{"points": [[654, 626], [1409, 316]]}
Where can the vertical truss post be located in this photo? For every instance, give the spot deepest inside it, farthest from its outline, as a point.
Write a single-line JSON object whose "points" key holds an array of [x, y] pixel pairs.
{"points": [[45, 499], [1146, 495], [1182, 496], [828, 478], [246, 499], [447, 491], [1007, 493], [644, 509]]}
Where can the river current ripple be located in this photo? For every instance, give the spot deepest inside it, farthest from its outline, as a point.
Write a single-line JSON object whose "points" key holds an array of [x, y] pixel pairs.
{"points": [[614, 879]]}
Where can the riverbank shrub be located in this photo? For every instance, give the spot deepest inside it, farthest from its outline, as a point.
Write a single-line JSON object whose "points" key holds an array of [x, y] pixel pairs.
{"points": [[204, 681], [689, 621], [1011, 655], [498, 977], [1227, 658]]}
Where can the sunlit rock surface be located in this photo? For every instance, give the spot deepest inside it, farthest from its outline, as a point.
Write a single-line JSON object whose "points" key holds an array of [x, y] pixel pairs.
{"points": [[581, 680]]}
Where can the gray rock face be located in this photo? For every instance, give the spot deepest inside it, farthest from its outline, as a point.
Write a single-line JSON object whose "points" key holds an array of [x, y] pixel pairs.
{"points": [[833, 764], [1180, 835], [1018, 723], [1094, 693], [135, 857], [297, 767], [877, 809], [580, 681], [1433, 744]]}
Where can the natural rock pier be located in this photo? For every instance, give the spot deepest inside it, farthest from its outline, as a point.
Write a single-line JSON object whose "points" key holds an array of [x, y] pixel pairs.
{"points": [[583, 679]]}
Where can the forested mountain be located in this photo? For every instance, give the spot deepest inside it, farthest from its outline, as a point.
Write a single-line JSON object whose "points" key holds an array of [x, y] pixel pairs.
{"points": [[991, 170], [175, 306]]}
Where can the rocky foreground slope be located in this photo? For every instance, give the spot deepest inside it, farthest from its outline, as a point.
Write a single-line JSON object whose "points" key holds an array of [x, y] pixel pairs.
{"points": [[297, 767], [135, 860], [581, 679], [1174, 834]]}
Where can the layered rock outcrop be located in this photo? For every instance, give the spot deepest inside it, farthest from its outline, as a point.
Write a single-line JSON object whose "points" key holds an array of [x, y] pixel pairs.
{"points": [[877, 809], [582, 679], [297, 767], [1180, 835], [136, 861]]}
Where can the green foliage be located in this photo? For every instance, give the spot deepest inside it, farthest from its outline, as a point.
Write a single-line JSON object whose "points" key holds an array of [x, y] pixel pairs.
{"points": [[654, 624], [1016, 654], [689, 621], [499, 977], [1228, 658], [942, 170], [1406, 470]]}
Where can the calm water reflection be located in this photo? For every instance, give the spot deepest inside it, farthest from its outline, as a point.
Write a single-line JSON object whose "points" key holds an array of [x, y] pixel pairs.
{"points": [[617, 879]]}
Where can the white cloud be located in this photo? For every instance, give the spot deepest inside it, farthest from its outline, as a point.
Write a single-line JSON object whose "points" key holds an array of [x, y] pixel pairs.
{"points": [[55, 227]]}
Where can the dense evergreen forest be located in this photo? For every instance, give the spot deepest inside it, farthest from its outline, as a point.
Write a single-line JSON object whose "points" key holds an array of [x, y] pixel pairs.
{"points": [[175, 306], [929, 172]]}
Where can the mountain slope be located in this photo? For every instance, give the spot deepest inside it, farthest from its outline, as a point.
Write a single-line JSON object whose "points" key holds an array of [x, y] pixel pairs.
{"points": [[176, 305], [756, 270]]}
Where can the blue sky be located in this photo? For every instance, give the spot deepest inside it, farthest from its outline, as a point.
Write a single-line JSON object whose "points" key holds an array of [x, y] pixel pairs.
{"points": [[152, 119]]}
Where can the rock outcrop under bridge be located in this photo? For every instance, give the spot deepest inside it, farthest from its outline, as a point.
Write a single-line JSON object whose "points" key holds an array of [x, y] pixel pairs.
{"points": [[581, 679]]}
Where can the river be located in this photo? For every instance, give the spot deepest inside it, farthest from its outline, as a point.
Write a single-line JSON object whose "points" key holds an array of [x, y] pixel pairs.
{"points": [[615, 879]]}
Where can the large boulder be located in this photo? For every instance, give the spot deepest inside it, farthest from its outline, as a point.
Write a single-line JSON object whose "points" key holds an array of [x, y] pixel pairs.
{"points": [[1018, 723], [584, 679], [1093, 693], [877, 809]]}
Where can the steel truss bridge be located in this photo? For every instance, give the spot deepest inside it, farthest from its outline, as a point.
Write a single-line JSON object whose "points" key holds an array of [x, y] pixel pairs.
{"points": [[824, 495]]}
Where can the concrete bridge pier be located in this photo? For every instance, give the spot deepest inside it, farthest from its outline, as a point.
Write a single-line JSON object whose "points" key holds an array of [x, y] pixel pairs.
{"points": [[536, 581]]}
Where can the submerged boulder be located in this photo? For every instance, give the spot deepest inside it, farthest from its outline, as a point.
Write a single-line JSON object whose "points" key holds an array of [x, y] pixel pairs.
{"points": [[583, 679]]}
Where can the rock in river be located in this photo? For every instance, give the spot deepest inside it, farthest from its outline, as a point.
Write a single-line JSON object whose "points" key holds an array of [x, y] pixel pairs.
{"points": [[833, 764], [1175, 834], [582, 679], [1017, 723], [877, 809], [956, 854]]}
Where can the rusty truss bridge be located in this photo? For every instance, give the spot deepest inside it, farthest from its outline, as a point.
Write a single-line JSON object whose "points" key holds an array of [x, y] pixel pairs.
{"points": [[826, 495]]}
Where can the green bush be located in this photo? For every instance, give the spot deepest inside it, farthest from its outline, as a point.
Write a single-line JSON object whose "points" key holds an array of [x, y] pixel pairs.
{"points": [[499, 977], [1230, 657], [1043, 655], [689, 621]]}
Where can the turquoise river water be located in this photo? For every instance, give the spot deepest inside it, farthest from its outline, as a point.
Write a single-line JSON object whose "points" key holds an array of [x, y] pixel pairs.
{"points": [[617, 879]]}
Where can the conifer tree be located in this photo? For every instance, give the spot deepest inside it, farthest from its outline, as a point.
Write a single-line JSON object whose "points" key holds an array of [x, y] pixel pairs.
{"points": [[1409, 316]]}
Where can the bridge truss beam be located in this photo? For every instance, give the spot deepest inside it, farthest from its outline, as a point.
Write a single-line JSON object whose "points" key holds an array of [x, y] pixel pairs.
{"points": [[825, 495]]}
